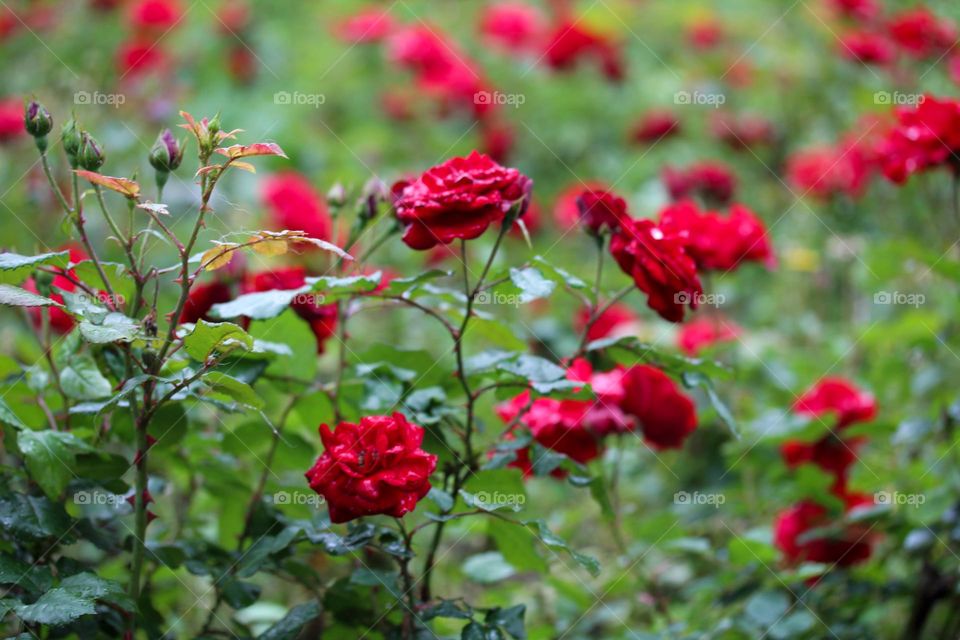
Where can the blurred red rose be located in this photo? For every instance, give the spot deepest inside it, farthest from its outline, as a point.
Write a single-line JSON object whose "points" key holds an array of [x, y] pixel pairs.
{"points": [[831, 453], [925, 136], [459, 198], [655, 125], [156, 16], [138, 56], [365, 26], [659, 266], [294, 204], [844, 549], [571, 41], [497, 138], [605, 415], [201, 300], [374, 467], [866, 47], [828, 171], [514, 26], [856, 9], [11, 119], [566, 213], [599, 209], [667, 416], [922, 34], [701, 333], [611, 322], [705, 33], [712, 181], [322, 318], [555, 424], [838, 397], [743, 131], [717, 242]]}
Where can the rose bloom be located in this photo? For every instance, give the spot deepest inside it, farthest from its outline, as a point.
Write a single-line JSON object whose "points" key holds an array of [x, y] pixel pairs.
{"points": [[856, 9], [375, 467], [11, 119], [566, 212], [845, 549], [667, 416], [839, 397], [599, 209], [570, 42], [829, 171], [294, 204], [605, 415], [704, 33], [922, 34], [366, 26], [61, 322], [831, 453], [555, 424], [514, 26], [655, 125], [659, 266], [137, 57], [154, 15], [712, 181], [926, 136], [744, 131], [322, 318], [866, 47], [716, 242], [702, 333], [459, 198], [618, 319], [202, 298]]}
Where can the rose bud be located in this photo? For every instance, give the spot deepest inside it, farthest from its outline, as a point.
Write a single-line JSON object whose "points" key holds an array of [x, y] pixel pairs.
{"points": [[71, 137], [337, 195], [90, 156], [37, 120], [167, 153]]}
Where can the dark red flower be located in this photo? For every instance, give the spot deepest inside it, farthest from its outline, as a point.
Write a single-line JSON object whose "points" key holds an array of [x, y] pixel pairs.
{"points": [[712, 181], [375, 467], [155, 15], [599, 209], [831, 453], [659, 266], [566, 213], [655, 125], [555, 424], [667, 416], [701, 333], [611, 323], [497, 139], [866, 47], [925, 137], [201, 300], [922, 34], [11, 119], [844, 549], [857, 9], [717, 242], [839, 397], [605, 415], [514, 26], [570, 42], [705, 33], [366, 26], [458, 199], [295, 205], [322, 318]]}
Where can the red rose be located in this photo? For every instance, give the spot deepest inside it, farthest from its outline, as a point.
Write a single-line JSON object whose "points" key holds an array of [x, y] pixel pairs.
{"points": [[659, 266], [840, 397], [705, 33], [844, 549], [926, 136], [366, 26], [512, 25], [696, 335], [600, 209], [717, 242], [667, 416], [295, 205], [866, 47], [566, 213], [155, 15], [458, 199], [617, 320], [571, 41], [201, 300], [138, 56], [555, 424], [831, 453], [655, 125], [603, 416], [857, 9], [712, 181], [826, 172], [11, 119], [322, 318], [375, 467], [921, 33]]}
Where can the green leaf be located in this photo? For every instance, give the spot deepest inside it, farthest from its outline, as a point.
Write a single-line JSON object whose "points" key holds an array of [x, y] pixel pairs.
{"points": [[31, 577], [405, 286], [531, 283], [81, 379], [288, 628], [555, 542], [517, 545], [629, 350], [9, 417], [208, 337], [261, 305], [34, 518], [572, 281], [50, 456], [76, 596], [510, 620], [487, 568], [14, 268], [448, 609], [239, 594], [234, 389], [766, 607], [692, 379], [16, 297], [115, 327], [334, 288]]}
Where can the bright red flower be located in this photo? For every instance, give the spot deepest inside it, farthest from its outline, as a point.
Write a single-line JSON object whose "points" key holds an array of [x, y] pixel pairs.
{"points": [[599, 209], [712, 181], [845, 549], [322, 318], [459, 198], [667, 416], [572, 41], [605, 415], [717, 242], [702, 333], [375, 467], [201, 300], [11, 119], [831, 453], [655, 125], [857, 9], [659, 266], [514, 26], [705, 33], [155, 15], [921, 33], [610, 323], [234, 17], [839, 397], [925, 137], [138, 56], [555, 424], [828, 171], [295, 205], [866, 47], [61, 322], [566, 213], [366, 26]]}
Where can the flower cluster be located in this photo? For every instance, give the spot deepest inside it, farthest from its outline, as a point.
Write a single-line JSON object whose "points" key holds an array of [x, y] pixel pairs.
{"points": [[925, 137], [148, 22]]}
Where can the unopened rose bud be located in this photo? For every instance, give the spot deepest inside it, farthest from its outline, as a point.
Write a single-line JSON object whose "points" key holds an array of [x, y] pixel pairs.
{"points": [[167, 153], [337, 195], [90, 156], [377, 188], [37, 119], [72, 139]]}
